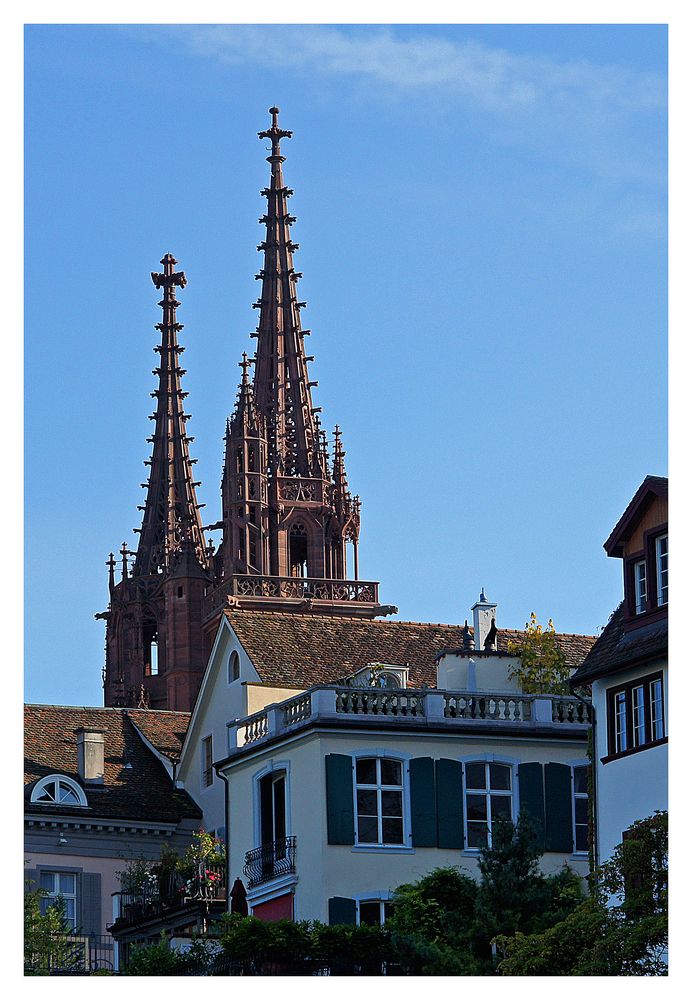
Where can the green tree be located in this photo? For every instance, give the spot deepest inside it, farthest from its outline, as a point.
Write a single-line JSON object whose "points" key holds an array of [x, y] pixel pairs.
{"points": [[621, 931], [542, 668], [46, 944]]}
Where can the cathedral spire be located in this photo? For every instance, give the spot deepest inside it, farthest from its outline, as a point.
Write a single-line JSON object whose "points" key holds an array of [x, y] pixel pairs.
{"points": [[281, 383], [171, 522]]}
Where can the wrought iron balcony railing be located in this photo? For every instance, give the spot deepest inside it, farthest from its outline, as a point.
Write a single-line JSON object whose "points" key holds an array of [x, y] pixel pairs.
{"points": [[207, 883], [270, 861]]}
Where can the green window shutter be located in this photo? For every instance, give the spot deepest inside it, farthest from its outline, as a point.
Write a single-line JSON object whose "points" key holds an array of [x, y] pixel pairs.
{"points": [[450, 804], [342, 910], [340, 821], [531, 795], [423, 810], [558, 808], [90, 903]]}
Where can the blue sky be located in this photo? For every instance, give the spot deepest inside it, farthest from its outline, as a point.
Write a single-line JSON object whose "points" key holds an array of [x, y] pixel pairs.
{"points": [[481, 213]]}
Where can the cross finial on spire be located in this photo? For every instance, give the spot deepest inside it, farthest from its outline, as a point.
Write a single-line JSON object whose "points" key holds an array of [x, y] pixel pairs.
{"points": [[276, 134], [245, 364]]}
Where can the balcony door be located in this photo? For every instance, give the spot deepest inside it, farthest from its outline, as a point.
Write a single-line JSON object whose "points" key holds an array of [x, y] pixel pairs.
{"points": [[273, 820]]}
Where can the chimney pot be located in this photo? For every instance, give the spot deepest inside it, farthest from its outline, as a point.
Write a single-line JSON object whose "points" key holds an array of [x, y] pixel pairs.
{"points": [[90, 755], [483, 618]]}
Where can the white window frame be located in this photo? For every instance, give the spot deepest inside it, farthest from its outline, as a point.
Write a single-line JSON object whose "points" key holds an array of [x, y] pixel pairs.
{"points": [[640, 587], [51, 898], [40, 786], [660, 719], [581, 795], [639, 733], [229, 671], [382, 899], [618, 717], [273, 766], [661, 571], [404, 759], [509, 793]]}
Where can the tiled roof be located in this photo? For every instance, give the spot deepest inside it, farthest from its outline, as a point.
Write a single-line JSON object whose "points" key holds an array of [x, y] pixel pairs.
{"points": [[165, 730], [143, 792], [651, 487], [615, 649], [291, 650]]}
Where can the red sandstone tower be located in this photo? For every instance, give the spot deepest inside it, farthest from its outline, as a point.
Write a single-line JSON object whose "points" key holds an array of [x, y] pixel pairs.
{"points": [[156, 650], [288, 517]]}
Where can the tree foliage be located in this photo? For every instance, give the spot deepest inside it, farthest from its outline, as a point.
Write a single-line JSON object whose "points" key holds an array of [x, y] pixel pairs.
{"points": [[621, 931], [542, 668], [445, 923], [46, 944], [161, 960]]}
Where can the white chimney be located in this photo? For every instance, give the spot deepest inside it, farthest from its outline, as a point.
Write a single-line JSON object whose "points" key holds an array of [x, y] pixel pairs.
{"points": [[483, 621], [90, 747]]}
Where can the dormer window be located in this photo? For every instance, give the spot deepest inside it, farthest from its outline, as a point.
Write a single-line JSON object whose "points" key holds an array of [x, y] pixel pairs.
{"points": [[662, 570], [640, 587], [58, 790]]}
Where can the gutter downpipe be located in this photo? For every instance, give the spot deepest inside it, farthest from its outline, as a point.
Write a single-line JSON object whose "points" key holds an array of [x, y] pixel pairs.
{"points": [[594, 771], [226, 837]]}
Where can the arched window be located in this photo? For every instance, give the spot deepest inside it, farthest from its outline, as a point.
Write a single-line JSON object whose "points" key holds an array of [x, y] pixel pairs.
{"points": [[58, 790], [298, 549], [233, 667]]}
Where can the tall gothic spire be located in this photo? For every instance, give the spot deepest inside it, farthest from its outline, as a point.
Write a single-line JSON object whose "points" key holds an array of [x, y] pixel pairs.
{"points": [[171, 524], [281, 384]]}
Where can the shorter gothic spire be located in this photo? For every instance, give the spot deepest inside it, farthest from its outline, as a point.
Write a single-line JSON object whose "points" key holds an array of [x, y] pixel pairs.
{"points": [[171, 517]]}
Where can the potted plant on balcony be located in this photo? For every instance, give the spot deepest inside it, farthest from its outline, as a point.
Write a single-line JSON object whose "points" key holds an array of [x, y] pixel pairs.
{"points": [[139, 887], [202, 867]]}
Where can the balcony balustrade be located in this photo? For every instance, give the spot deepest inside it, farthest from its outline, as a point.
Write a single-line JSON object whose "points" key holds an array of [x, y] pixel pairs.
{"points": [[270, 861], [420, 708], [257, 588]]}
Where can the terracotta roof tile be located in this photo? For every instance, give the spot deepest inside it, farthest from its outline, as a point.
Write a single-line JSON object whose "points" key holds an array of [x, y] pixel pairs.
{"points": [[291, 650], [165, 730], [142, 792], [615, 649]]}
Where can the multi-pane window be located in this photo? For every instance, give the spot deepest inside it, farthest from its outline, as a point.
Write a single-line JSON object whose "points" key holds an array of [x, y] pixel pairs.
{"points": [[60, 887], [207, 761], [581, 808], [58, 791], [380, 800], [374, 912], [488, 798], [640, 586], [656, 703], [638, 716], [635, 714], [662, 570], [621, 741]]}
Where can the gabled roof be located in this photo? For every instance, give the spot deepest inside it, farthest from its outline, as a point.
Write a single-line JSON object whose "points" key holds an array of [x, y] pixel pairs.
{"points": [[143, 792], [653, 486], [617, 648], [164, 730], [291, 650]]}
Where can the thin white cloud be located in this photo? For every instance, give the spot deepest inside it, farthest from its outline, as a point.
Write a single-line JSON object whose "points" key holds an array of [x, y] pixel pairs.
{"points": [[495, 79]]}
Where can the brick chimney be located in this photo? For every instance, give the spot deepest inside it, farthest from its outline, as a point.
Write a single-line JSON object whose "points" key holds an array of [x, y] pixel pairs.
{"points": [[90, 748], [483, 621]]}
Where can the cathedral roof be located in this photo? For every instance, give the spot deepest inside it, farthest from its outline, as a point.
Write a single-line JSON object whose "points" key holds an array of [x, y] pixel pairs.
{"points": [[141, 792], [292, 650]]}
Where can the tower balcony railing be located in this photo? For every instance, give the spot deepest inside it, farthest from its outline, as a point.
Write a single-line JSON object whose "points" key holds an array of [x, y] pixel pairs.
{"points": [[258, 587], [448, 710]]}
